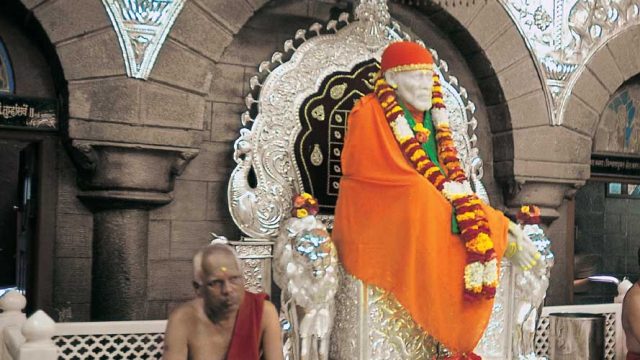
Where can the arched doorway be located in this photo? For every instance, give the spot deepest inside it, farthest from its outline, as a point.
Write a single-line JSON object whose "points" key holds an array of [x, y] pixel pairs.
{"points": [[29, 146]]}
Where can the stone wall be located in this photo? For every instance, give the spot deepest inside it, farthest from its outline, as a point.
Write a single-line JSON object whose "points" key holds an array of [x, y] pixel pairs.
{"points": [[199, 207]]}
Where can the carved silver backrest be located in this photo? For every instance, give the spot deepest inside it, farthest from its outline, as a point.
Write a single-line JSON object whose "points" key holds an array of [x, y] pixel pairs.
{"points": [[265, 149]]}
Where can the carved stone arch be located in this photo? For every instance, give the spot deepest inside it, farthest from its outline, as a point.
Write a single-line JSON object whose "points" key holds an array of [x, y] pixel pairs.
{"points": [[504, 66], [610, 66], [605, 72]]}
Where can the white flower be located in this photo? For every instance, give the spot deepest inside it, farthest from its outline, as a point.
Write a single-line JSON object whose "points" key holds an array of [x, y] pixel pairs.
{"points": [[401, 129], [473, 275], [440, 116], [490, 276], [453, 189]]}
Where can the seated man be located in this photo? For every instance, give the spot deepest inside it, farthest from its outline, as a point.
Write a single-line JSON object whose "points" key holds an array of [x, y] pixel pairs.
{"points": [[224, 321], [406, 219], [631, 319]]}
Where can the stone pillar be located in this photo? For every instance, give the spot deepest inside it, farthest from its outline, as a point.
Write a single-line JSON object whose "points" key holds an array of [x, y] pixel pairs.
{"points": [[121, 183], [119, 284], [544, 193]]}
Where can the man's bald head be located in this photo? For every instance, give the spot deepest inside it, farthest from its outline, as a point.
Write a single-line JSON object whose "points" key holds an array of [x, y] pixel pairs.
{"points": [[212, 251]]}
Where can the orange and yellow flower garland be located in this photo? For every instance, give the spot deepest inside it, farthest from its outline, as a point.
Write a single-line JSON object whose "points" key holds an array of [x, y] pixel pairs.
{"points": [[304, 205], [528, 215], [481, 270]]}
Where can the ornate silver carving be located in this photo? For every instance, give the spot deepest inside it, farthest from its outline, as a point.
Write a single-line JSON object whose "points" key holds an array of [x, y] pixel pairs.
{"points": [[267, 148], [393, 334], [307, 272], [374, 18], [496, 340], [563, 35], [530, 290], [142, 26], [253, 251], [253, 270], [347, 335], [256, 259]]}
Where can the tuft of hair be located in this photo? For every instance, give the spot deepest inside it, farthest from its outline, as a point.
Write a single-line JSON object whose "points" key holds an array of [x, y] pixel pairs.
{"points": [[208, 250]]}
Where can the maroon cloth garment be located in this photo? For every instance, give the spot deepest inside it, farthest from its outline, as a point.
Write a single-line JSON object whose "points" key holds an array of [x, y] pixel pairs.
{"points": [[245, 342], [633, 356]]}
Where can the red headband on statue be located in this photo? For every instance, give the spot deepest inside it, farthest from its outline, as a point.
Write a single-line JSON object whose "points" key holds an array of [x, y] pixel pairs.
{"points": [[406, 56]]}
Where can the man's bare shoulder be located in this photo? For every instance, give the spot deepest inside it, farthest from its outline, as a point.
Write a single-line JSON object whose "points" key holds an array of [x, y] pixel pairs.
{"points": [[185, 312], [269, 315], [631, 305], [271, 332], [268, 307], [633, 295]]}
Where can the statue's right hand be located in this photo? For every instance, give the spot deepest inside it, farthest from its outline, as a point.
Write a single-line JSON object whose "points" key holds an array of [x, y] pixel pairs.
{"points": [[520, 249]]}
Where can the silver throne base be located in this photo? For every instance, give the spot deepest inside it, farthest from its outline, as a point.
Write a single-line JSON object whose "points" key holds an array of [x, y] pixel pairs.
{"points": [[371, 324]]}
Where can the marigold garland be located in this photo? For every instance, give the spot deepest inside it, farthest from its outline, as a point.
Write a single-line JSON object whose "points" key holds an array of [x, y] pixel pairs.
{"points": [[304, 204], [528, 215], [481, 270]]}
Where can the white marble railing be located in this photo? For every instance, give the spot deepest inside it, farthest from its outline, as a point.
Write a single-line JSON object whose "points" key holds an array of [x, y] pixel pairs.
{"points": [[23, 338], [40, 338], [130, 339]]}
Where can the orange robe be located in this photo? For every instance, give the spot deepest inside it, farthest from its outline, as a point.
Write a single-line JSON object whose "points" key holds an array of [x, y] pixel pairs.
{"points": [[393, 230], [245, 341]]}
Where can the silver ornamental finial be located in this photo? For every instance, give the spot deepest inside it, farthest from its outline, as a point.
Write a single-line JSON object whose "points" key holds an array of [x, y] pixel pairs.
{"points": [[374, 15]]}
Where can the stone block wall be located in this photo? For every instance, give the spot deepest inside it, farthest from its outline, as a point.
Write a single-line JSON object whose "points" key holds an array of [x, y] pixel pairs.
{"points": [[199, 207], [73, 248]]}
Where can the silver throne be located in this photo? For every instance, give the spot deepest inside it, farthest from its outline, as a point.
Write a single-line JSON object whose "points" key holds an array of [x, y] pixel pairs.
{"points": [[291, 142]]}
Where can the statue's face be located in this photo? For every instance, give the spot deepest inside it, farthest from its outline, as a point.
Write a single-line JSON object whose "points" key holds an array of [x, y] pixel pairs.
{"points": [[413, 87]]}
